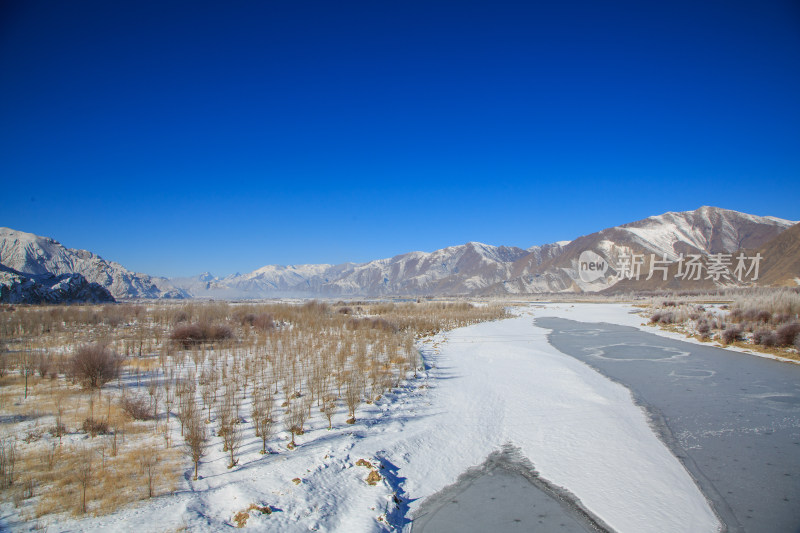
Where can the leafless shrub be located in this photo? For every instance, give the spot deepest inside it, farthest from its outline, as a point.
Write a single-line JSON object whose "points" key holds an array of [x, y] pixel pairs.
{"points": [[315, 307], [380, 324], [190, 334], [786, 334], [765, 337], [94, 365], [136, 407], [43, 365], [264, 322], [261, 321], [187, 335], [731, 334], [180, 316], [94, 426], [663, 318], [58, 430]]}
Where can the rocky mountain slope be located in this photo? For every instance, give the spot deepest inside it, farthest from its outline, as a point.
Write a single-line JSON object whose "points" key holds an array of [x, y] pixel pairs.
{"points": [[32, 255], [16, 288]]}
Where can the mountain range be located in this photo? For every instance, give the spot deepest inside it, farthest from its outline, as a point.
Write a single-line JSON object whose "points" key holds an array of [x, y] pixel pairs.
{"points": [[469, 269], [30, 255]]}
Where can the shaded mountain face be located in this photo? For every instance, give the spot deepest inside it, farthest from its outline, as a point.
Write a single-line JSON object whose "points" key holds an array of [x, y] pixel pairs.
{"points": [[781, 264], [16, 288], [32, 255]]}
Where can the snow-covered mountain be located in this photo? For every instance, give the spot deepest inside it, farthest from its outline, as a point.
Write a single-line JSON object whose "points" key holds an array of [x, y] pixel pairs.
{"points": [[467, 269], [453, 270], [707, 230], [32, 255], [265, 282], [476, 268]]}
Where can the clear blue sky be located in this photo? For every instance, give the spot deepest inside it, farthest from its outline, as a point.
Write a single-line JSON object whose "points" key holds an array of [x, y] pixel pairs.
{"points": [[179, 137]]}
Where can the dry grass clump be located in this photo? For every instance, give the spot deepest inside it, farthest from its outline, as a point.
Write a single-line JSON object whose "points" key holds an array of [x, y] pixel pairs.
{"points": [[373, 478], [241, 517], [83, 479]]}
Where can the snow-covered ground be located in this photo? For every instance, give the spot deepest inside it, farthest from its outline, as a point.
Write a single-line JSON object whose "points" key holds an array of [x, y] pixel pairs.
{"points": [[488, 385]]}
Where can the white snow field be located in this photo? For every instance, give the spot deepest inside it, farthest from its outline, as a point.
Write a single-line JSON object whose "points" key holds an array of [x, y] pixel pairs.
{"points": [[488, 385]]}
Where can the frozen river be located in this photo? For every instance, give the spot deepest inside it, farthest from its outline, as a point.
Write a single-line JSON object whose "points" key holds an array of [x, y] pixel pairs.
{"points": [[504, 495], [733, 419]]}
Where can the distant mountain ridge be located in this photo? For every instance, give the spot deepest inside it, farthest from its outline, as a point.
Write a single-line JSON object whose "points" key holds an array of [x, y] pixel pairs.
{"points": [[459, 269], [468, 269]]}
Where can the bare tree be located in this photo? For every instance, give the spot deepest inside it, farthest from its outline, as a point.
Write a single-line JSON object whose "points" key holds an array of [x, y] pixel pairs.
{"points": [[155, 392], [329, 408], [196, 437], [148, 465], [294, 420], [8, 458], [27, 366], [94, 365], [352, 394], [262, 414], [186, 400], [229, 428], [84, 473], [43, 365], [208, 393]]}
